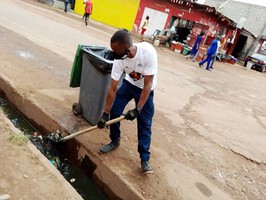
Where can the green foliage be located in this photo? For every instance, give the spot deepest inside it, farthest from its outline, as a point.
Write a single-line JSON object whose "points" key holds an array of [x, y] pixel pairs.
{"points": [[18, 139]]}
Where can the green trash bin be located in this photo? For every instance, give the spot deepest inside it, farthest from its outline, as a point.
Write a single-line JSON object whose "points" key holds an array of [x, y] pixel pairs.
{"points": [[76, 68], [95, 77], [185, 51]]}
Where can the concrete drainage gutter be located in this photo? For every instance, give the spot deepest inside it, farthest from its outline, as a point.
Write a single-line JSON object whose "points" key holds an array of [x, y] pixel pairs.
{"points": [[110, 183]]}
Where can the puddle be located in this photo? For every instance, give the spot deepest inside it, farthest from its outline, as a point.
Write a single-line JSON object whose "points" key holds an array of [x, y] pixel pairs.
{"points": [[78, 180], [25, 54]]}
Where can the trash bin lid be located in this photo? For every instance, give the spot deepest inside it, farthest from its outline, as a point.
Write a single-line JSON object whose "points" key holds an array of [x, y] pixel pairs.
{"points": [[100, 57]]}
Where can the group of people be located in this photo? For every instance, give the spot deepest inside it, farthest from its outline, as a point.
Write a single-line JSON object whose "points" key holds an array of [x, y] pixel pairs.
{"points": [[139, 62], [211, 53]]}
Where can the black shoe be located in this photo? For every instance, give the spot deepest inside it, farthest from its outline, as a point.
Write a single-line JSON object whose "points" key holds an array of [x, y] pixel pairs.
{"points": [[109, 147], [146, 168], [208, 69], [200, 65], [86, 23]]}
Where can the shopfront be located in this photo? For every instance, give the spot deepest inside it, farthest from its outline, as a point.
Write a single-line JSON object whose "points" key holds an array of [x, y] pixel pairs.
{"points": [[183, 21]]}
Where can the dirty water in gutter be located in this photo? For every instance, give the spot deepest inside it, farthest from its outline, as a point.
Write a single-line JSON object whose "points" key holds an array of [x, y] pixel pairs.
{"points": [[83, 185]]}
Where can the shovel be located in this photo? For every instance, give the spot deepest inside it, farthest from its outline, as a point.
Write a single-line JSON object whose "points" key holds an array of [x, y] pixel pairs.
{"points": [[58, 136]]}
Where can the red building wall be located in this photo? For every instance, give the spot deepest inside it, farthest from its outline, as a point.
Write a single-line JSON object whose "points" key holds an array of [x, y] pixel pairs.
{"points": [[193, 12], [189, 12]]}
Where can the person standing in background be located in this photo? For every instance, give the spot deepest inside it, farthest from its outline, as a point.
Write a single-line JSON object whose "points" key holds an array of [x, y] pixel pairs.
{"points": [[88, 10], [144, 28], [66, 4], [195, 47], [84, 2]]}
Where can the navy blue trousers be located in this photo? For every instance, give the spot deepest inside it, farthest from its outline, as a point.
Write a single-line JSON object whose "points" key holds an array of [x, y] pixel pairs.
{"points": [[125, 93], [66, 3], [208, 59]]}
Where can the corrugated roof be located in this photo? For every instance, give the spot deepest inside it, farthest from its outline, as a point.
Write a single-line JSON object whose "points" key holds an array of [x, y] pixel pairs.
{"points": [[255, 15]]}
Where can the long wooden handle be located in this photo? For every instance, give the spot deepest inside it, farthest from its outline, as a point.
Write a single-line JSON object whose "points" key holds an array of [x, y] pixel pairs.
{"points": [[118, 119]]}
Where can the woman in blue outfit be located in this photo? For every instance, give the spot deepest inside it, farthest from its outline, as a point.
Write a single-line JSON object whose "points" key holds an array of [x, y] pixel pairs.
{"points": [[195, 47], [211, 52]]}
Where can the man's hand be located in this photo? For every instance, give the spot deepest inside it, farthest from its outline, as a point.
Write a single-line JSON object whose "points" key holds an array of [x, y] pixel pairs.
{"points": [[104, 118], [132, 114]]}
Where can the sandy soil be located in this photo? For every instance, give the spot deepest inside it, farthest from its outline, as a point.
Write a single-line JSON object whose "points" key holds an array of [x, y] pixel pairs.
{"points": [[209, 128]]}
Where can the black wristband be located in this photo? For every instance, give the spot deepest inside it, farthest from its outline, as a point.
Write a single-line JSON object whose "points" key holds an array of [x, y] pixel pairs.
{"points": [[105, 114]]}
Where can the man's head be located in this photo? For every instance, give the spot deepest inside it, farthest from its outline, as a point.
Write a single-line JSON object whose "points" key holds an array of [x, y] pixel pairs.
{"points": [[218, 37], [121, 44]]}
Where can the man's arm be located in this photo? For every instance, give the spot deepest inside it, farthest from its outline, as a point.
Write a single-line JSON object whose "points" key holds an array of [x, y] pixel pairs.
{"points": [[148, 80], [110, 95], [134, 113]]}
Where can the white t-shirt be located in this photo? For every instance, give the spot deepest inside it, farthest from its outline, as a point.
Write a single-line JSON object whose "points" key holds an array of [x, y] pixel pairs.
{"points": [[143, 63], [146, 24], [218, 47]]}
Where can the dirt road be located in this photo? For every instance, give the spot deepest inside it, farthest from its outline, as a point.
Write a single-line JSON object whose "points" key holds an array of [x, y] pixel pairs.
{"points": [[209, 128]]}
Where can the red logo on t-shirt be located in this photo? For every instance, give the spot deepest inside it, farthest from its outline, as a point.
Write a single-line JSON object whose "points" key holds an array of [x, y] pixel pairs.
{"points": [[136, 76]]}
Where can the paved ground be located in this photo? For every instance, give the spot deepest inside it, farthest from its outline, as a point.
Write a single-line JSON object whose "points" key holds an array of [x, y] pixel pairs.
{"points": [[209, 128]]}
